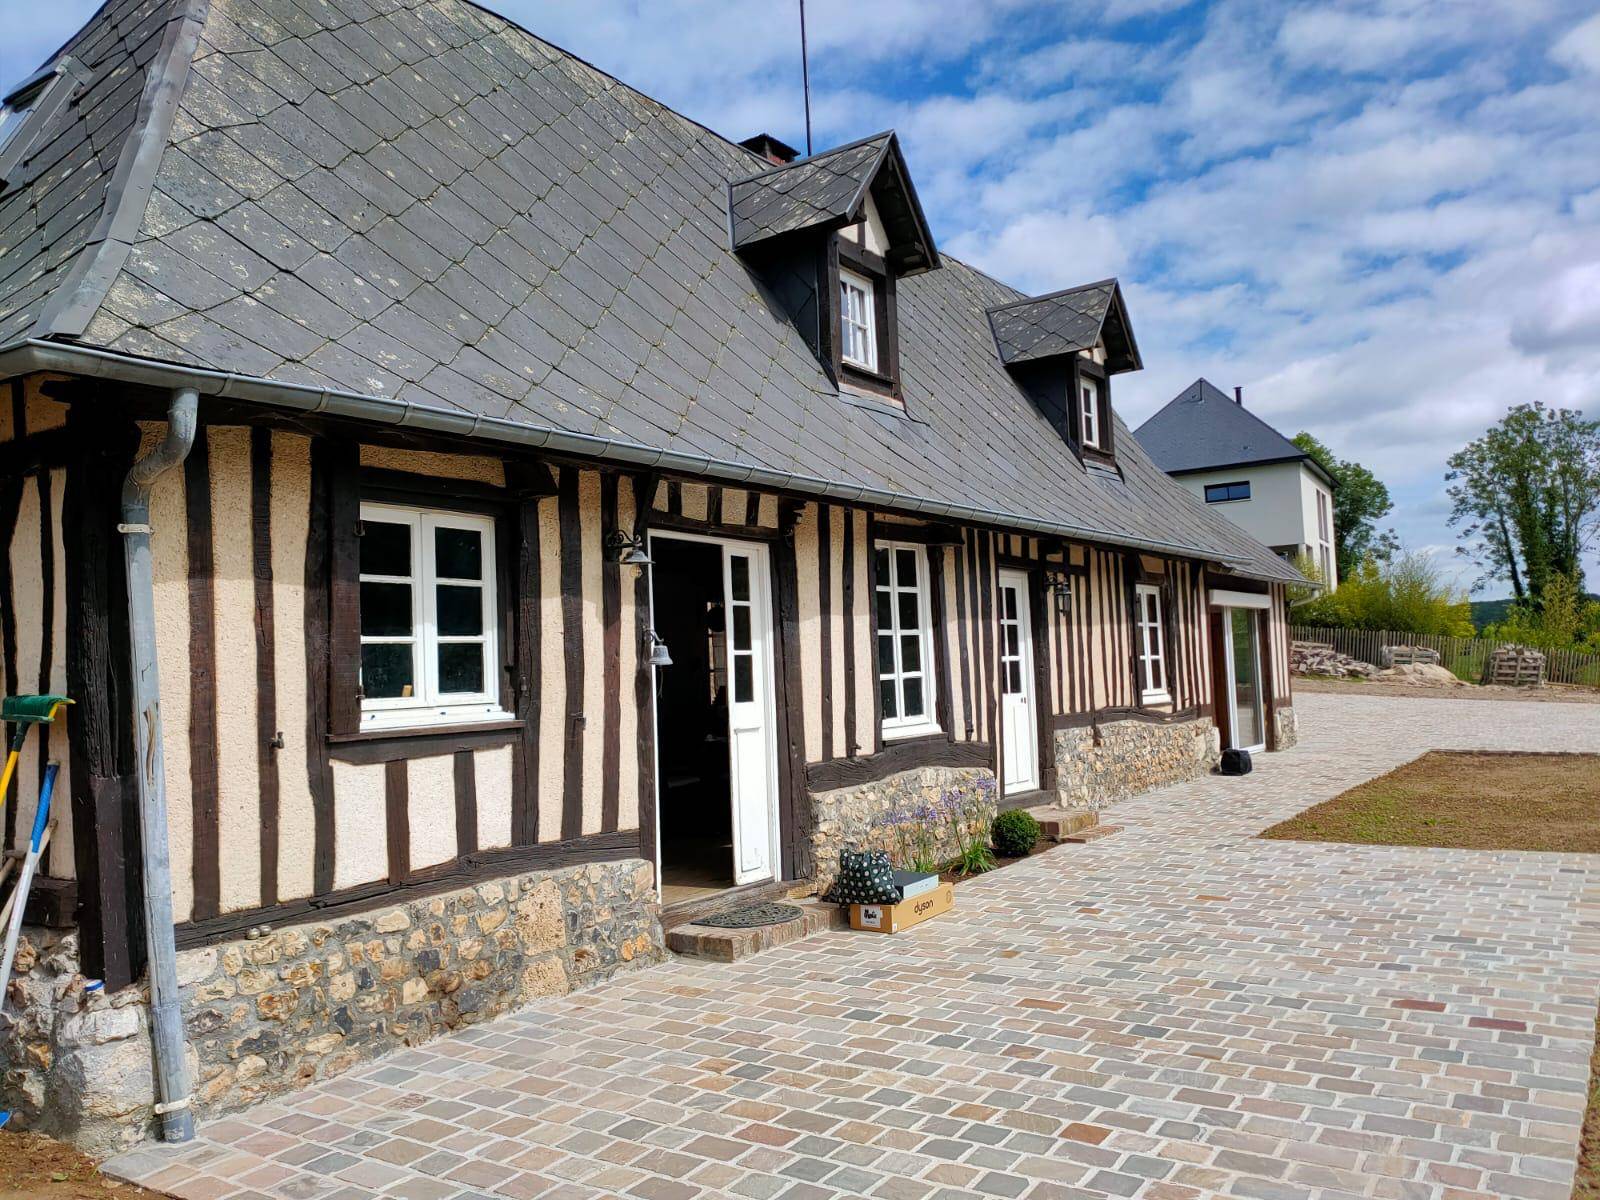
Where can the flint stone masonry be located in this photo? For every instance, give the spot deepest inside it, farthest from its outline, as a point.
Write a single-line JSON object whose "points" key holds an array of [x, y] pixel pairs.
{"points": [[308, 1002], [1099, 764], [855, 818]]}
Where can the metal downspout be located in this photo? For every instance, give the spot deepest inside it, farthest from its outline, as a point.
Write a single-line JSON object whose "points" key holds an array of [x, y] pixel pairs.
{"points": [[166, 1016]]}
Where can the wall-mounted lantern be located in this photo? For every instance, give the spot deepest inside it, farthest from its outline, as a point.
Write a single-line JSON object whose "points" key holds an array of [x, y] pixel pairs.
{"points": [[1061, 588], [629, 551]]}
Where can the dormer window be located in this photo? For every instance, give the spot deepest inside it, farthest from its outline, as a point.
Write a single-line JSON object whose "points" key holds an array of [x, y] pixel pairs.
{"points": [[1089, 411], [1062, 350], [29, 107], [830, 235], [858, 330]]}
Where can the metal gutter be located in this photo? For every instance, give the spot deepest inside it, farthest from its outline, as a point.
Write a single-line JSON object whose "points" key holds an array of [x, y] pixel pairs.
{"points": [[166, 1011], [35, 354]]}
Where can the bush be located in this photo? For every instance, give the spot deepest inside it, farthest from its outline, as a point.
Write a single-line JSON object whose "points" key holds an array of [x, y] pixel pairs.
{"points": [[1014, 834], [1408, 594]]}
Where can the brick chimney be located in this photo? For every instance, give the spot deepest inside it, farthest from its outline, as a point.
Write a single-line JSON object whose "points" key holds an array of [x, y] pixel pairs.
{"points": [[770, 148]]}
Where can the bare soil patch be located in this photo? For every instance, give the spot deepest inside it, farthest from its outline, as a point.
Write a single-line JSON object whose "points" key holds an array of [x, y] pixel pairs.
{"points": [[1465, 800], [1552, 694], [38, 1168]]}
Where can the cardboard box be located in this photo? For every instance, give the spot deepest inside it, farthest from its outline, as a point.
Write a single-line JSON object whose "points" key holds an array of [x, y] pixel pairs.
{"points": [[892, 918]]}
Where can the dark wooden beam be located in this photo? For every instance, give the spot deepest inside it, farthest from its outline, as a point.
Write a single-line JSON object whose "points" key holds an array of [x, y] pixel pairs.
{"points": [[935, 750], [203, 781], [266, 657]]}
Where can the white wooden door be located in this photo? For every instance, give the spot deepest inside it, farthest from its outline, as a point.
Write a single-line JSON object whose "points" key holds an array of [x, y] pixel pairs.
{"points": [[1019, 723], [751, 762]]}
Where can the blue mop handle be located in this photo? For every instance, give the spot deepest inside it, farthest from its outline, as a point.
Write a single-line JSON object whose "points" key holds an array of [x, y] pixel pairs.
{"points": [[41, 818]]}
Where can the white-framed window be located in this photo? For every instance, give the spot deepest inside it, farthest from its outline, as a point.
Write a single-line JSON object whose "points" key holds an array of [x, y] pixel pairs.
{"points": [[1152, 645], [1322, 515], [1089, 410], [858, 325], [905, 662], [428, 623]]}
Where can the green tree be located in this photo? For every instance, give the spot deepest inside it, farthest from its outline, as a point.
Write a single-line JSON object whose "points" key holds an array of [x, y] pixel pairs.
{"points": [[1526, 497], [1360, 500], [1408, 593]]}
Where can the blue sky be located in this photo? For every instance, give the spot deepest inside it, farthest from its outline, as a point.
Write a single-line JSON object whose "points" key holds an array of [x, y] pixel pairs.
{"points": [[1380, 217]]}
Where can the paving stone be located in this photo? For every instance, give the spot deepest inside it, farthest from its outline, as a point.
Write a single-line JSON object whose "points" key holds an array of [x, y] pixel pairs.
{"points": [[1209, 1013]]}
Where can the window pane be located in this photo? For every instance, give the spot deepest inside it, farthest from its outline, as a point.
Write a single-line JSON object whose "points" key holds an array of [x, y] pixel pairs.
{"points": [[906, 566], [885, 653], [886, 705], [1012, 647], [739, 574], [885, 610], [880, 567], [460, 610], [914, 698], [1013, 679], [386, 609], [461, 667], [908, 611], [458, 553], [741, 627], [386, 671], [744, 686], [911, 653], [1009, 595], [385, 548]]}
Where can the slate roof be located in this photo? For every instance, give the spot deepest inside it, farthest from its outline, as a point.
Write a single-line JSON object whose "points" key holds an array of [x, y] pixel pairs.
{"points": [[415, 199], [1203, 428], [1061, 323]]}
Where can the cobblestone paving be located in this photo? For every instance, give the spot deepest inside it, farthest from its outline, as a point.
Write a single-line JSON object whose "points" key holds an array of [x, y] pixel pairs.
{"points": [[1180, 1010]]}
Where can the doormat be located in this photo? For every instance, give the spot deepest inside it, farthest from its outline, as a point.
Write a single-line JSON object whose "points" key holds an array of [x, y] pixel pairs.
{"points": [[751, 916]]}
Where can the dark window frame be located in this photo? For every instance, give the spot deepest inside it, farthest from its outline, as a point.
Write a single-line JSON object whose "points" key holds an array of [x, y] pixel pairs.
{"points": [[444, 495], [884, 382], [1105, 453], [1227, 487]]}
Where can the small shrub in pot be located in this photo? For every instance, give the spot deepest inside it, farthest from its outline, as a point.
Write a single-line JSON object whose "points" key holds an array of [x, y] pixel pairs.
{"points": [[1014, 833]]}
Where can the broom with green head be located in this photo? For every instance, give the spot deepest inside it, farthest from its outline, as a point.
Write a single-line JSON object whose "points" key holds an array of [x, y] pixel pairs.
{"points": [[24, 712]]}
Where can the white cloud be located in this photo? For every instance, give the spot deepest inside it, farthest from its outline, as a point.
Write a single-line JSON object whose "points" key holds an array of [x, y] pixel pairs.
{"points": [[1579, 47]]}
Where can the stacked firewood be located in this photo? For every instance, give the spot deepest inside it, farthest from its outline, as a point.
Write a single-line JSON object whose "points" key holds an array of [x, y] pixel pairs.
{"points": [[1319, 658]]}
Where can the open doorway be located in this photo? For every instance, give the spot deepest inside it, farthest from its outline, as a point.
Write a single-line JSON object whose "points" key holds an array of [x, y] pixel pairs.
{"points": [[716, 767], [696, 813]]}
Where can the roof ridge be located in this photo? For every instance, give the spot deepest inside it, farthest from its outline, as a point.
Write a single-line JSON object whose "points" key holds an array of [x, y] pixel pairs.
{"points": [[74, 303]]}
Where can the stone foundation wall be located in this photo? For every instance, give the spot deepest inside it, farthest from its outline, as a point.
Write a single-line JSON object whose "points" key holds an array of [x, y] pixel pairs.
{"points": [[1287, 727], [864, 817], [270, 1014], [1097, 765]]}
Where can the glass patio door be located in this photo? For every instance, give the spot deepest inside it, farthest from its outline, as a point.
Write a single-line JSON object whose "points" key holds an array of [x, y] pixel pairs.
{"points": [[1244, 662]]}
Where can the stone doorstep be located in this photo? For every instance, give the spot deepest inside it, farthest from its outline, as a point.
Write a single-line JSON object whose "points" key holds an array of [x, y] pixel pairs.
{"points": [[1059, 824], [1092, 834], [731, 945]]}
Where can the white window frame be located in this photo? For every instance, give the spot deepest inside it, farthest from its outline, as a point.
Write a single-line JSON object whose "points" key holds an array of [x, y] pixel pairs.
{"points": [[862, 326], [1089, 411], [1152, 644], [429, 706], [902, 726]]}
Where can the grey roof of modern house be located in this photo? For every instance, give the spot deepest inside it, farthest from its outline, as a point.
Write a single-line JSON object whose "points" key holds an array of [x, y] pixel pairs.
{"points": [[422, 204], [1203, 428]]}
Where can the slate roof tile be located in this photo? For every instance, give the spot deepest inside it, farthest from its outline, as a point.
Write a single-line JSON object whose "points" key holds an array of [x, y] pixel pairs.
{"points": [[414, 198]]}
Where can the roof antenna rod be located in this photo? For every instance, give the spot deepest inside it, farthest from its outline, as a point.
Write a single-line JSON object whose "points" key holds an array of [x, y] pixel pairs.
{"points": [[805, 75]]}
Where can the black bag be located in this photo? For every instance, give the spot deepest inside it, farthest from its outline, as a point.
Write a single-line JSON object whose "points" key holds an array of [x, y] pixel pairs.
{"points": [[865, 877], [1235, 762]]}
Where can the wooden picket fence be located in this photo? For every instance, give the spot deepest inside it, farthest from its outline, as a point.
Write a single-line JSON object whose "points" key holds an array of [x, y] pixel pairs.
{"points": [[1464, 656]]}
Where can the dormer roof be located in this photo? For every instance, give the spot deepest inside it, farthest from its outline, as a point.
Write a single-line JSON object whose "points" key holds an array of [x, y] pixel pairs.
{"points": [[1066, 322], [829, 191]]}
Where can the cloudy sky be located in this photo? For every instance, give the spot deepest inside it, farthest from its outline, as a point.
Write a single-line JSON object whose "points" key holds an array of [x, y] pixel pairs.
{"points": [[1381, 218]]}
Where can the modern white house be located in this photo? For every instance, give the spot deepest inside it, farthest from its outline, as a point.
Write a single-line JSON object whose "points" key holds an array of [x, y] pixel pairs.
{"points": [[1247, 471]]}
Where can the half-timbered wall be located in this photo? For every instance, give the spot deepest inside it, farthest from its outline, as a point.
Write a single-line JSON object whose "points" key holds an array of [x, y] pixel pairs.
{"points": [[33, 620], [265, 809]]}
